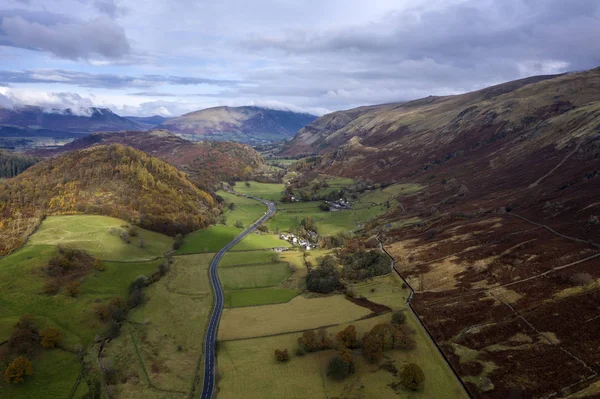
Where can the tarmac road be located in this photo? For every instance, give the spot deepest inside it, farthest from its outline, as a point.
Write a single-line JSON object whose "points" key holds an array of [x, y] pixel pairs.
{"points": [[211, 333]]}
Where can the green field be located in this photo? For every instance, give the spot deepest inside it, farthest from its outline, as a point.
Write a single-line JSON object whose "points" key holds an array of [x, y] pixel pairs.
{"points": [[260, 241], [246, 210], [21, 282], [164, 341], [283, 161], [289, 216], [268, 191], [389, 193], [246, 258], [249, 369], [260, 296], [254, 276], [211, 239], [91, 233]]}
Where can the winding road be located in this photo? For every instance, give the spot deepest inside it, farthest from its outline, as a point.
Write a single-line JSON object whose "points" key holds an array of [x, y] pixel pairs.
{"points": [[211, 333]]}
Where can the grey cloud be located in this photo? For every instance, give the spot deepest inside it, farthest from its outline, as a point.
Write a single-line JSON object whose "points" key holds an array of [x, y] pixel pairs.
{"points": [[110, 8], [110, 81], [460, 34], [63, 37]]}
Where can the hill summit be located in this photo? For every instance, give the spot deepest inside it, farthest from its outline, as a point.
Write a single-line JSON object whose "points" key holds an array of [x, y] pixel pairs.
{"points": [[112, 180], [244, 124]]}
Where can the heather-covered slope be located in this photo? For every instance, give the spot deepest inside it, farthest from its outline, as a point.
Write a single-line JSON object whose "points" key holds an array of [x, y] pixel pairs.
{"points": [[110, 180], [505, 256], [244, 124], [207, 163]]}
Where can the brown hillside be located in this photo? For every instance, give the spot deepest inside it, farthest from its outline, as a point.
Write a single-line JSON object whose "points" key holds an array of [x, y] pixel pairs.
{"points": [[207, 163], [506, 260], [110, 180]]}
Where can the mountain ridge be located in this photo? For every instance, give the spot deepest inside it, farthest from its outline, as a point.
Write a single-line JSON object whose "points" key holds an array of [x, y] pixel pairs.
{"points": [[249, 124]]}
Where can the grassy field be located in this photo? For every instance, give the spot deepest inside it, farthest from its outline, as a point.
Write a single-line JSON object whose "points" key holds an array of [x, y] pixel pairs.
{"points": [[289, 216], [246, 258], [254, 276], [260, 241], [259, 296], [91, 233], [55, 373], [298, 314], [21, 282], [389, 193], [165, 337], [246, 210], [249, 369], [268, 191], [211, 239], [386, 290]]}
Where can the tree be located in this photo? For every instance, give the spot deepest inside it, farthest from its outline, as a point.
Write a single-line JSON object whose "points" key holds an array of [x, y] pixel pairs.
{"points": [[412, 376], [398, 317], [231, 206], [309, 223], [282, 355], [247, 184], [25, 338], [99, 265], [73, 288], [372, 348], [51, 337], [347, 337], [239, 224], [341, 366], [17, 370]]}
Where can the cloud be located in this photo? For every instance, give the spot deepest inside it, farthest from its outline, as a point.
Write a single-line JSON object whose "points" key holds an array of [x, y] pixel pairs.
{"points": [[108, 81], [11, 98], [64, 37], [110, 8]]}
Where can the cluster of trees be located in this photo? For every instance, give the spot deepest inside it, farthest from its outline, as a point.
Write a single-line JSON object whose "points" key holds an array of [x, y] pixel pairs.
{"points": [[362, 264], [381, 338], [12, 164], [66, 267], [111, 180], [325, 278], [336, 241], [26, 342]]}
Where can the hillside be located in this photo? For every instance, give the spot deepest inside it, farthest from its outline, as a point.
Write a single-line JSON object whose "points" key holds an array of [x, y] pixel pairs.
{"points": [[505, 257], [147, 122], [207, 163], [30, 121], [110, 180], [244, 124]]}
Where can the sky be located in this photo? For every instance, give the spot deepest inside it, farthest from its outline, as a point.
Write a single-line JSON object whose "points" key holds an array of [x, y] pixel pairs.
{"points": [[169, 57]]}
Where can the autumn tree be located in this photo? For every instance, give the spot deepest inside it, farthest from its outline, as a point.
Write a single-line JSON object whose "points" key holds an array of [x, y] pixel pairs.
{"points": [[17, 370], [347, 337], [282, 355], [25, 338], [372, 348], [73, 288], [51, 337], [412, 376]]}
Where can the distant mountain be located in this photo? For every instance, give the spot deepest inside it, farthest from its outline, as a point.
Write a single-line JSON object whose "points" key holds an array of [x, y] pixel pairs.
{"points": [[147, 122], [30, 121], [207, 163], [112, 180], [244, 124]]}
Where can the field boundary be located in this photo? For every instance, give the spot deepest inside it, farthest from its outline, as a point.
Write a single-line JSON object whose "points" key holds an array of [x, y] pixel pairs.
{"points": [[369, 316], [409, 304]]}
